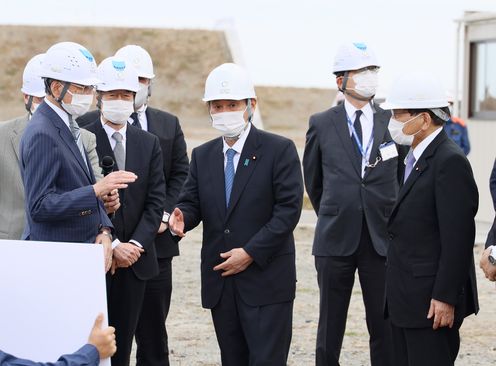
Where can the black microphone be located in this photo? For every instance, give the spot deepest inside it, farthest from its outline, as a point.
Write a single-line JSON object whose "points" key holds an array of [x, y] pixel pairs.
{"points": [[107, 168], [107, 165]]}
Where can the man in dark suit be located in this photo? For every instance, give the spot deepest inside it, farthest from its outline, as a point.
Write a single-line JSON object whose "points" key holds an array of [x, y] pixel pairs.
{"points": [[62, 198], [430, 276], [137, 222], [151, 334], [351, 176], [247, 189]]}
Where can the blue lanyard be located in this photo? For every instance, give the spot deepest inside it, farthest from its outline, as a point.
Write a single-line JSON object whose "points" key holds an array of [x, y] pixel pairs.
{"points": [[357, 140]]}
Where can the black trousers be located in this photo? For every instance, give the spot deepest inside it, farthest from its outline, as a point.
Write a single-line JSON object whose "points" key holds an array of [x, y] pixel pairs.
{"points": [[251, 335], [336, 276], [125, 300], [425, 346], [151, 333]]}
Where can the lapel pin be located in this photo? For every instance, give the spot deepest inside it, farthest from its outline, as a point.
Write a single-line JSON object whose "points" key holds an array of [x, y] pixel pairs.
{"points": [[247, 161], [254, 157]]}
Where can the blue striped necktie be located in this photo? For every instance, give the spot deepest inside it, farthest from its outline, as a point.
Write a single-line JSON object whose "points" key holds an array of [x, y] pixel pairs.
{"points": [[229, 173]]}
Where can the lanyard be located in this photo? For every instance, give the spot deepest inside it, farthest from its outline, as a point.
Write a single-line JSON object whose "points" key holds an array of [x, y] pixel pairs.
{"points": [[360, 146]]}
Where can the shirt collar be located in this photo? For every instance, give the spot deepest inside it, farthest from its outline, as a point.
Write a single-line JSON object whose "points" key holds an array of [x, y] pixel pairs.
{"points": [[60, 112], [238, 145], [420, 148], [110, 131], [367, 111]]}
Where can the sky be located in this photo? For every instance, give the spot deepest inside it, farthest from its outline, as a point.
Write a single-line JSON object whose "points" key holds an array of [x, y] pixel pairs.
{"points": [[283, 42]]}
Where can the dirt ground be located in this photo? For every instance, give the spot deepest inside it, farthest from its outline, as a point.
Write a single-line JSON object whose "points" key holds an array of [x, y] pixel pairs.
{"points": [[192, 338]]}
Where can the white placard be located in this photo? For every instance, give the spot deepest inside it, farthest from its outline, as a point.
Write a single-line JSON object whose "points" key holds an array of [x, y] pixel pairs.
{"points": [[50, 295]]}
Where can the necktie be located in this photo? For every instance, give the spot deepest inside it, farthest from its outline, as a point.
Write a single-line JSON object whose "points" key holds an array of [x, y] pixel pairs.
{"points": [[120, 155], [358, 129], [136, 122], [409, 163], [229, 173], [76, 134]]}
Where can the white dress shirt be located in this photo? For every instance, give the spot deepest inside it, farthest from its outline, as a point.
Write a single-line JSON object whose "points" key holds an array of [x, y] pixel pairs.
{"points": [[238, 147], [110, 131], [141, 112], [367, 123]]}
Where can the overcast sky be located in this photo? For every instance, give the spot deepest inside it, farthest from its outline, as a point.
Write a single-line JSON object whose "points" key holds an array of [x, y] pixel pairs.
{"points": [[284, 44]]}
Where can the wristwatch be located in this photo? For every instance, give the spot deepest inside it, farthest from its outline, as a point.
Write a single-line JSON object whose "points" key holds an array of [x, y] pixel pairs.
{"points": [[492, 256], [165, 218]]}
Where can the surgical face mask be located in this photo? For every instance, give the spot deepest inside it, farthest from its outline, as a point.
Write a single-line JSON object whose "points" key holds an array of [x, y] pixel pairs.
{"points": [[230, 124], [366, 83], [395, 128], [117, 111], [79, 105], [141, 96]]}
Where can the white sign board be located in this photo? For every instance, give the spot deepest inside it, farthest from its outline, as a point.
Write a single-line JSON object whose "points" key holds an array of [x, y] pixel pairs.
{"points": [[50, 296]]}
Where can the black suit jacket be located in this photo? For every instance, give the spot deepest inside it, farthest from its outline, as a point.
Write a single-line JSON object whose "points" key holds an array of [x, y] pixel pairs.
{"points": [[175, 165], [339, 194], [432, 233], [265, 206], [143, 201]]}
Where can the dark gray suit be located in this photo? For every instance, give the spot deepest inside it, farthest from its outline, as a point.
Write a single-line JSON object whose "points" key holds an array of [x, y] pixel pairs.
{"points": [[351, 228]]}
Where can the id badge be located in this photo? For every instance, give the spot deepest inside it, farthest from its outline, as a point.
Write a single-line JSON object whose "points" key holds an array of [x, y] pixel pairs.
{"points": [[388, 151]]}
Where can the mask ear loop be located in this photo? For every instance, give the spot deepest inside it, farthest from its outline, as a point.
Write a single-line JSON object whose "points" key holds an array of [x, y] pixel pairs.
{"points": [[357, 97], [249, 110]]}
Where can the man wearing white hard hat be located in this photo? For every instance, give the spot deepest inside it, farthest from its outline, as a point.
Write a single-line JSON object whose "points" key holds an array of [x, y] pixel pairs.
{"points": [[12, 211], [246, 187], [430, 276], [62, 199], [351, 176], [137, 222], [151, 335]]}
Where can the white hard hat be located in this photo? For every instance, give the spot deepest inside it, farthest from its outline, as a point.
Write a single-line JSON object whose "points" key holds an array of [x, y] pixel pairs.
{"points": [[116, 74], [139, 58], [354, 56], [416, 90], [71, 62], [228, 81], [32, 83]]}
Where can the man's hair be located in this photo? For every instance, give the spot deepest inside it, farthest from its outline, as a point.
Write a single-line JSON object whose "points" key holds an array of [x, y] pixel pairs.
{"points": [[435, 119]]}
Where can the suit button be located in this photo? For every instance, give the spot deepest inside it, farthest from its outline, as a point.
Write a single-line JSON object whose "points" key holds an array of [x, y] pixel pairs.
{"points": [[363, 185], [359, 208], [391, 236], [227, 231]]}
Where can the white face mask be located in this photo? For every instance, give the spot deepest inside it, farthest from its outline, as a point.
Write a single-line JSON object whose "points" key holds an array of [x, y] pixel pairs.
{"points": [[230, 124], [79, 105], [395, 128], [117, 111], [366, 83], [141, 96]]}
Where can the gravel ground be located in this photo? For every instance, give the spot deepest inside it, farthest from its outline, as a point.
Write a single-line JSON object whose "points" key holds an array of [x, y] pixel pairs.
{"points": [[192, 338]]}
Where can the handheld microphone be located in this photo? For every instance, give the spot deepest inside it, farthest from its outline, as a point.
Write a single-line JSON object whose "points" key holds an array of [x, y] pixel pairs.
{"points": [[107, 168], [107, 165]]}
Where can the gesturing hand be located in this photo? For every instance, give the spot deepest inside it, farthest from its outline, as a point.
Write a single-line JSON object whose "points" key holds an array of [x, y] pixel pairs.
{"points": [[115, 180], [176, 222], [237, 260], [102, 339], [488, 268]]}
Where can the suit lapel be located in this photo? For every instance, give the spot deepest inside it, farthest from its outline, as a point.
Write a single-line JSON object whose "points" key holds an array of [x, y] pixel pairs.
{"points": [[420, 167], [15, 138], [216, 170], [103, 144], [132, 149], [380, 127], [343, 131], [248, 161]]}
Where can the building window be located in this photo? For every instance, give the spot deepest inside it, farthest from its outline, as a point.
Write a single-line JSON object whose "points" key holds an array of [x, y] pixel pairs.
{"points": [[483, 80]]}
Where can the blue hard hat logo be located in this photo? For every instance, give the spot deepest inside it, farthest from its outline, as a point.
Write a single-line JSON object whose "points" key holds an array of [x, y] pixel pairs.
{"points": [[87, 54], [360, 46], [119, 65]]}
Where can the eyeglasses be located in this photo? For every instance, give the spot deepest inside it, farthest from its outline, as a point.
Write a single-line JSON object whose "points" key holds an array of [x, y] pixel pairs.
{"points": [[83, 89]]}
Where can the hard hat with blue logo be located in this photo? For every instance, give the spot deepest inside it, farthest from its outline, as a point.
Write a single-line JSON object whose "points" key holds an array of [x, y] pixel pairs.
{"points": [[117, 74], [354, 56], [139, 58], [32, 83], [70, 62]]}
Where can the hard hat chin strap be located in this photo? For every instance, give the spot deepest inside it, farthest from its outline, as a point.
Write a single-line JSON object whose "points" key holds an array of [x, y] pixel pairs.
{"points": [[29, 104], [64, 92], [249, 110]]}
